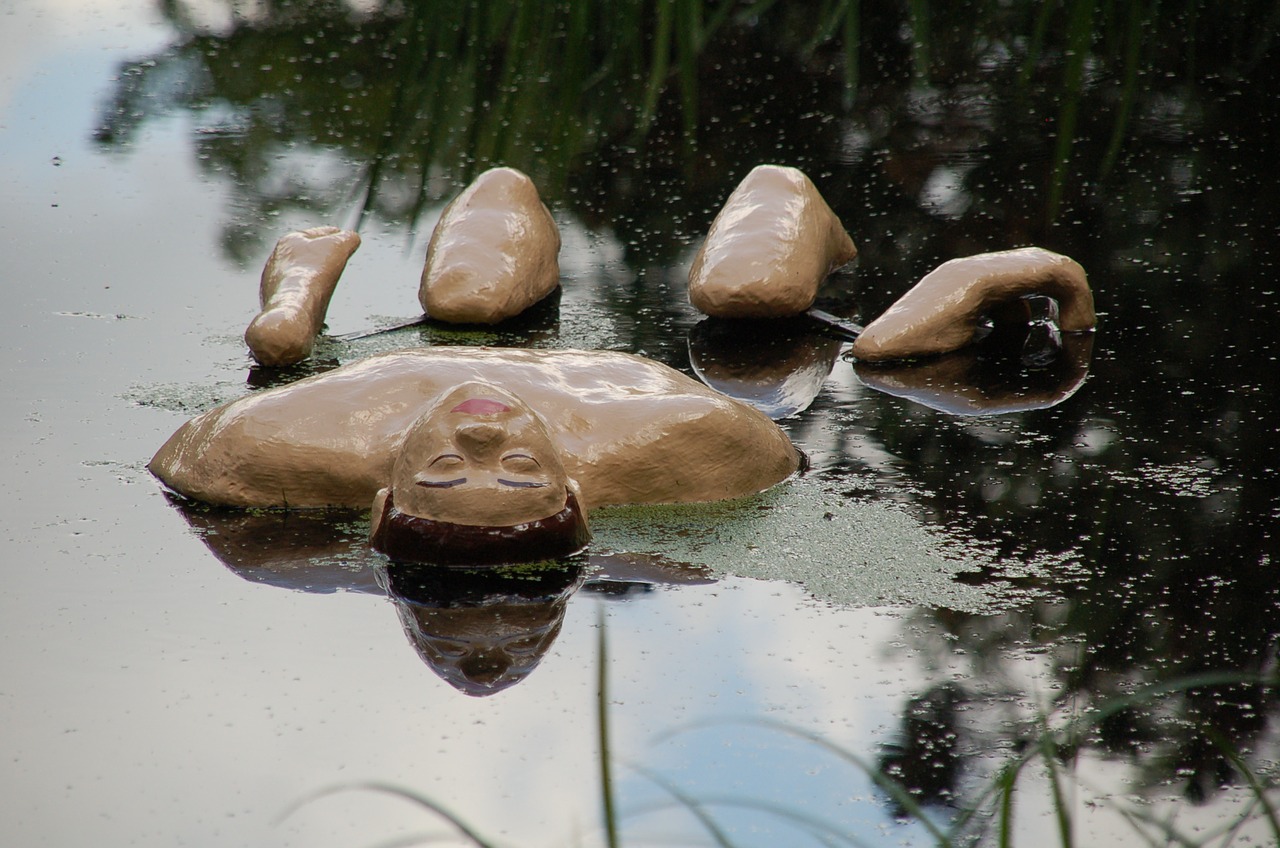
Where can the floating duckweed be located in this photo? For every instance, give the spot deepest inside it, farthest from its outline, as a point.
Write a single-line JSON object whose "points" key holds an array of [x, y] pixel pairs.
{"points": [[844, 551], [187, 398]]}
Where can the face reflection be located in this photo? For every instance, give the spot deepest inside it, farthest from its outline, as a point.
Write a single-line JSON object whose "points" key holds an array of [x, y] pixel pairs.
{"points": [[486, 649], [479, 456]]}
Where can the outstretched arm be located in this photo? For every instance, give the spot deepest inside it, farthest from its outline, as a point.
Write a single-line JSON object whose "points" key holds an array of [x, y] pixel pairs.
{"points": [[297, 284], [941, 313]]}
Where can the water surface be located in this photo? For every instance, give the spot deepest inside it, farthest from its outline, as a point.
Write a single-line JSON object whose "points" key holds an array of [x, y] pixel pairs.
{"points": [[935, 582]]}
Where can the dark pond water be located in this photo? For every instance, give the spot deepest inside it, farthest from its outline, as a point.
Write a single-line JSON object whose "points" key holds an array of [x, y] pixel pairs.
{"points": [[983, 547]]}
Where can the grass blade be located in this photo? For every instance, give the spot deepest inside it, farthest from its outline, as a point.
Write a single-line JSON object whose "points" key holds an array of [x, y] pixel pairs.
{"points": [[696, 809], [886, 784], [1259, 791], [1006, 782], [607, 807], [400, 792], [1049, 751], [1079, 34]]}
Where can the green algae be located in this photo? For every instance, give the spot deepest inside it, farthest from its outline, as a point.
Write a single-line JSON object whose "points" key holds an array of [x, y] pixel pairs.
{"points": [[843, 550], [186, 398]]}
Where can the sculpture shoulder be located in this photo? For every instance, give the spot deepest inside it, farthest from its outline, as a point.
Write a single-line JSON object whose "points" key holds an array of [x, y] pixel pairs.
{"points": [[683, 446], [631, 429], [324, 441]]}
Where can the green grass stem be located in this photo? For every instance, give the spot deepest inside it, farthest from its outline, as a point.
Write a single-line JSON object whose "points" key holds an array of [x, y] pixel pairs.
{"points": [[920, 38], [659, 63], [852, 55], [607, 807], [1128, 87], [1049, 752], [1255, 785], [1005, 784]]}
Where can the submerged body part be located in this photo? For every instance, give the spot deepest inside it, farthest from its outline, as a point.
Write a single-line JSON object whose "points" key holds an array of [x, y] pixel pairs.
{"points": [[942, 312], [493, 254], [294, 293], [769, 249], [479, 438]]}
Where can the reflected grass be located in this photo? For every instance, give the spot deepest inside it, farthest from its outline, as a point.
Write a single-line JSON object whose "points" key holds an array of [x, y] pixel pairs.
{"points": [[418, 97]]}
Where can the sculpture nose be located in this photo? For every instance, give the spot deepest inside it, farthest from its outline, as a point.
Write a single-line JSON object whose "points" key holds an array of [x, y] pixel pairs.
{"points": [[480, 437]]}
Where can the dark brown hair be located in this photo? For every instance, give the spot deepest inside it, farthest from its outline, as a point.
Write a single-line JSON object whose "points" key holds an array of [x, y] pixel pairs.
{"points": [[411, 538]]}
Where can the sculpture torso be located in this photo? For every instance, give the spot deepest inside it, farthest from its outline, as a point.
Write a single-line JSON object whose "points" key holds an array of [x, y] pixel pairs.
{"points": [[630, 430]]}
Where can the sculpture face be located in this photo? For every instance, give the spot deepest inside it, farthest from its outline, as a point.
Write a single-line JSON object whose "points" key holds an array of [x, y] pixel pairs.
{"points": [[479, 456]]}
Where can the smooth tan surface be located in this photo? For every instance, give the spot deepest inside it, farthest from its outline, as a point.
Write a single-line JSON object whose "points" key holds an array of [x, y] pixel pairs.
{"points": [[297, 284], [941, 313], [628, 430], [493, 254], [769, 248], [479, 456]]}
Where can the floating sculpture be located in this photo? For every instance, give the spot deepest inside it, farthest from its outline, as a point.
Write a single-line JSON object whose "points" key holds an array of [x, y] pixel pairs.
{"points": [[493, 254], [942, 312], [776, 240], [484, 456], [477, 454], [769, 249], [297, 284]]}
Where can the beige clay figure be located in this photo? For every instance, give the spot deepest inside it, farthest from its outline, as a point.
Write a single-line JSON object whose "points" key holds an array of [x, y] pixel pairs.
{"points": [[297, 284], [776, 240], [942, 312], [482, 456], [769, 248], [493, 254], [477, 454]]}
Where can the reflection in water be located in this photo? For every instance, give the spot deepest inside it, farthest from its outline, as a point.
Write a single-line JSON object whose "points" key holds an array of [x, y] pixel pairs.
{"points": [[777, 366], [1135, 141], [485, 630], [482, 631], [925, 758], [990, 378], [311, 550]]}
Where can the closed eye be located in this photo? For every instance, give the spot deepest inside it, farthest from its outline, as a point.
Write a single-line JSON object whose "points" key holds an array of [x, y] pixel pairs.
{"points": [[521, 484], [520, 462], [451, 458], [441, 484]]}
